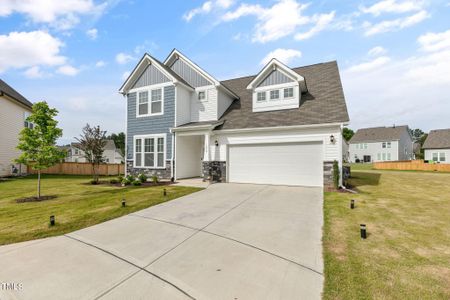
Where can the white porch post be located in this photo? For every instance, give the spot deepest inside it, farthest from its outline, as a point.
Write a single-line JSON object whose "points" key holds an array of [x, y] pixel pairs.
{"points": [[206, 156]]}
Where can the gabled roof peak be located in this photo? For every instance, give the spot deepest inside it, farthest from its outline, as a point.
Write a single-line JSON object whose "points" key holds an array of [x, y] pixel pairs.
{"points": [[275, 64]]}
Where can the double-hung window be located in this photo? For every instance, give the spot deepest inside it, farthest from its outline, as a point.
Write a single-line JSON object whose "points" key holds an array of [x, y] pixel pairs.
{"points": [[435, 156], [442, 157], [261, 96], [143, 103], [149, 151], [149, 102], [156, 101], [388, 144], [383, 145], [202, 95], [274, 94], [288, 93]]}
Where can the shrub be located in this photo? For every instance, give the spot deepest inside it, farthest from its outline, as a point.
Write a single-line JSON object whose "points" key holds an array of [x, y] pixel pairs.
{"points": [[114, 181], [155, 179], [142, 177], [94, 182], [120, 178], [130, 178], [125, 181], [336, 174], [136, 183]]}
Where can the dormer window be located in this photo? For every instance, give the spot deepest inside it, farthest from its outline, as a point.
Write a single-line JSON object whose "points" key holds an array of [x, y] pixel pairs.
{"points": [[261, 96], [275, 95], [288, 93], [281, 85]]}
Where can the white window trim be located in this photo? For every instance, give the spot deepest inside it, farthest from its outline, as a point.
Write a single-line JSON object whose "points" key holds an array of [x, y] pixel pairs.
{"points": [[279, 103], [149, 90], [293, 92], [205, 89], [265, 96], [275, 99], [155, 137]]}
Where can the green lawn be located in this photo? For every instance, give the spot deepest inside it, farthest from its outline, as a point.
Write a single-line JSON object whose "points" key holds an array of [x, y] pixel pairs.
{"points": [[360, 166], [78, 205], [407, 252]]}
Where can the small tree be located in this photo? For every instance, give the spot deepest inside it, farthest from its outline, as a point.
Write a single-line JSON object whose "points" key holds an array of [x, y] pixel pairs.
{"points": [[38, 144], [92, 143], [347, 133]]}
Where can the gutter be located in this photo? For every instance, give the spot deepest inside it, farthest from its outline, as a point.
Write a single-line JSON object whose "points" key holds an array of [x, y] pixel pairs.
{"points": [[256, 129], [196, 127]]}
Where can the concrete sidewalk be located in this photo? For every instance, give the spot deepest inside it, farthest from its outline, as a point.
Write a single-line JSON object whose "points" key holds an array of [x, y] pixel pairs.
{"points": [[230, 241]]}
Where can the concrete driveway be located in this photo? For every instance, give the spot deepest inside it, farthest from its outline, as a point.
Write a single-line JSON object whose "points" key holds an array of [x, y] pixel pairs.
{"points": [[230, 241]]}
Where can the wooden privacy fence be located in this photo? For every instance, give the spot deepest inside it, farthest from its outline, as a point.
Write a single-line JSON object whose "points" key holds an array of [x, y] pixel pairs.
{"points": [[76, 168], [411, 165]]}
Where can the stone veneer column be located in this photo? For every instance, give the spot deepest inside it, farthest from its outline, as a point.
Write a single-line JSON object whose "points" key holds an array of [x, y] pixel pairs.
{"points": [[328, 174]]}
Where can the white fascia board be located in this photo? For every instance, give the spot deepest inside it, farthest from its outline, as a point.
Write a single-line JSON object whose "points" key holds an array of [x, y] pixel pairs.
{"points": [[276, 128], [196, 127], [282, 67], [144, 62]]}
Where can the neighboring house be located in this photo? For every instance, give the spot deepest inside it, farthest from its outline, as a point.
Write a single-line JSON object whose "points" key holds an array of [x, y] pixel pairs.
{"points": [[381, 144], [14, 109], [111, 154], [437, 146], [281, 126]]}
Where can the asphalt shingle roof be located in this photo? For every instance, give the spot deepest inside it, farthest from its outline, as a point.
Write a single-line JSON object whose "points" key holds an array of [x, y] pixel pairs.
{"points": [[323, 103], [438, 139], [378, 134], [8, 90]]}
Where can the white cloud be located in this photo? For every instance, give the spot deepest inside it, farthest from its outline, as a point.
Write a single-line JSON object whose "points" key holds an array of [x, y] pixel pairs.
{"points": [[34, 72], [405, 91], [396, 24], [29, 49], [393, 6], [92, 33], [370, 65], [123, 58], [125, 75], [77, 104], [321, 23], [59, 14], [284, 55], [100, 64], [206, 8], [280, 20], [435, 41], [68, 70], [376, 51]]}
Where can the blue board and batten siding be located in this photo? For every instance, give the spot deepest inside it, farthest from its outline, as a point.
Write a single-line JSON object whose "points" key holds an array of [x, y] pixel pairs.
{"points": [[151, 124], [275, 77], [194, 78], [150, 76]]}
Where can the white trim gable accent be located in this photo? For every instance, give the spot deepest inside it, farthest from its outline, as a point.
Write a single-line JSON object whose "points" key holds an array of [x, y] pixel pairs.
{"points": [[140, 67], [175, 54], [275, 64]]}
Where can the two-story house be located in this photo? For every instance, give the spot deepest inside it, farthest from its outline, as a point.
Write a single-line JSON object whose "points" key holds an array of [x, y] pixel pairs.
{"points": [[437, 146], [280, 126], [111, 154], [381, 144], [14, 109]]}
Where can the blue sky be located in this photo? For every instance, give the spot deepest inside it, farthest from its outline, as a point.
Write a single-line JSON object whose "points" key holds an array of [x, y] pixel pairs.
{"points": [[394, 56]]}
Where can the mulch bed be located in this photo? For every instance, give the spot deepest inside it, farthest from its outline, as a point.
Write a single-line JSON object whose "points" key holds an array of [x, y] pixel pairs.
{"points": [[36, 199], [145, 184]]}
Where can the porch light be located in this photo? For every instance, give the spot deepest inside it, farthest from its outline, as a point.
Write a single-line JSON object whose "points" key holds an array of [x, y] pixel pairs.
{"points": [[332, 139], [352, 204], [52, 220], [216, 143], [363, 231]]}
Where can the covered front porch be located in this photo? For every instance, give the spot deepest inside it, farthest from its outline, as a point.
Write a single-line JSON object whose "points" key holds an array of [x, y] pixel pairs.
{"points": [[193, 157]]}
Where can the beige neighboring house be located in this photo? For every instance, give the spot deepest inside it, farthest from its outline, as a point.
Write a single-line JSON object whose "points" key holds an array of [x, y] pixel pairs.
{"points": [[111, 154], [14, 109]]}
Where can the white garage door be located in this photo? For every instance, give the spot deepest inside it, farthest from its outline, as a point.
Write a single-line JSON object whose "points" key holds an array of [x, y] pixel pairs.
{"points": [[283, 164]]}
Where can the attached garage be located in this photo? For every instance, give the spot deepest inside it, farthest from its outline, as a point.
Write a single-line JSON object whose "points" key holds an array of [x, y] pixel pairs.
{"points": [[278, 163]]}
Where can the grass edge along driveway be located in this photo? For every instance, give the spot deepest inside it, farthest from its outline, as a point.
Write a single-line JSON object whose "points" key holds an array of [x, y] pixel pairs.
{"points": [[407, 252], [78, 205]]}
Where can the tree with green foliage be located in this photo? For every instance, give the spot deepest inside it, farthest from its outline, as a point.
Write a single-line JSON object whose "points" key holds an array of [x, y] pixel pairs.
{"points": [[92, 143], [38, 142], [336, 174], [416, 134], [347, 133], [119, 141]]}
